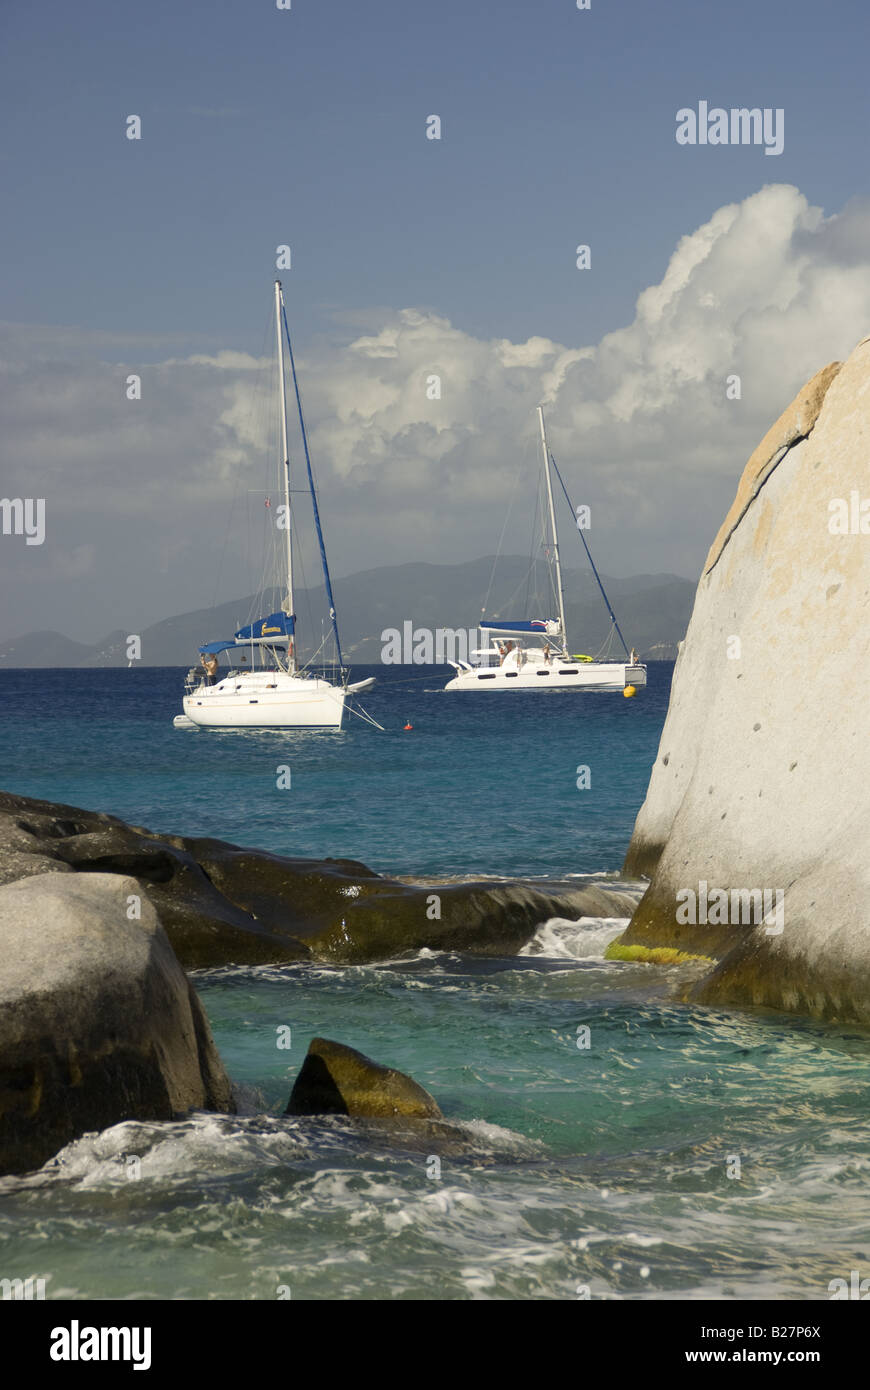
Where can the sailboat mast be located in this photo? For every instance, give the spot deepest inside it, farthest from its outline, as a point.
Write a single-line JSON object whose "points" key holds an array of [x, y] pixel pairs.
{"points": [[553, 527], [279, 302]]}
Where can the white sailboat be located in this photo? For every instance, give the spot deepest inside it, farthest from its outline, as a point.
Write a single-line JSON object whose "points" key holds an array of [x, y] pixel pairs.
{"points": [[266, 687], [532, 653]]}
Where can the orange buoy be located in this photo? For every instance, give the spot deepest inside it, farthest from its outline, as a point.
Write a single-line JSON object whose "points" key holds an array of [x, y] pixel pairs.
{"points": [[407, 727]]}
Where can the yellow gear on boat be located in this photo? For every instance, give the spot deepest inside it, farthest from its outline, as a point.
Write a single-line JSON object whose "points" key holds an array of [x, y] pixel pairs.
{"points": [[581, 656]]}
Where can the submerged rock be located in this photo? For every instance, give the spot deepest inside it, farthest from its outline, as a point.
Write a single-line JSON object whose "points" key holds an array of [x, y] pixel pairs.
{"points": [[338, 1080], [762, 781], [221, 905], [98, 1022]]}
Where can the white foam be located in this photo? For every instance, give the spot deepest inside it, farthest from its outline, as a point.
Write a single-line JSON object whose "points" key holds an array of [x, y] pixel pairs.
{"points": [[498, 1140], [585, 939], [174, 1149]]}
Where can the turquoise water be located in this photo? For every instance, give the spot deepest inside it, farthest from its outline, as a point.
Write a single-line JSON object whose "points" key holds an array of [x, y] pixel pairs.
{"points": [[482, 785], [602, 1168]]}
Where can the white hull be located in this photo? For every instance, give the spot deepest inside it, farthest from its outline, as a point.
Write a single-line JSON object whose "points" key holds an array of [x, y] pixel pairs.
{"points": [[555, 675], [266, 700]]}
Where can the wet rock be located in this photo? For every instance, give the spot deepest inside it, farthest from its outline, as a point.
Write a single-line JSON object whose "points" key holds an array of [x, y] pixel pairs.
{"points": [[221, 904], [338, 1080], [98, 1022]]}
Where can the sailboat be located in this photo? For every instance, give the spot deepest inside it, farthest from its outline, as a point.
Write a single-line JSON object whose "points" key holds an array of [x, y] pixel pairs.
{"points": [[533, 653], [265, 685]]}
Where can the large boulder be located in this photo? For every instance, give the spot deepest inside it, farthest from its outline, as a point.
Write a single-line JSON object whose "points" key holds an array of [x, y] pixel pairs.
{"points": [[762, 779], [98, 1022], [220, 904], [338, 1080]]}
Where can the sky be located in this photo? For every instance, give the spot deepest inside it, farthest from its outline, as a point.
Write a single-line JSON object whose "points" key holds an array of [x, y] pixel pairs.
{"points": [[410, 257]]}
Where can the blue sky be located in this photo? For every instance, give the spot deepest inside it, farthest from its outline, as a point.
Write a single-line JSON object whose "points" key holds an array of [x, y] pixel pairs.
{"points": [[307, 127]]}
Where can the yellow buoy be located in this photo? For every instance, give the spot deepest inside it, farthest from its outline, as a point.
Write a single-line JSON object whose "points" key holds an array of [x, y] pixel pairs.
{"points": [[629, 691]]}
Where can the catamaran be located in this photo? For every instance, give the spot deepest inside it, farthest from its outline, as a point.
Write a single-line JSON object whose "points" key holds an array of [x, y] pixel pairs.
{"points": [[532, 653], [266, 686]]}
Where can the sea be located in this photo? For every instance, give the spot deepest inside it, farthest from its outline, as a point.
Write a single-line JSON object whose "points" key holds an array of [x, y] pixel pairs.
{"points": [[617, 1140]]}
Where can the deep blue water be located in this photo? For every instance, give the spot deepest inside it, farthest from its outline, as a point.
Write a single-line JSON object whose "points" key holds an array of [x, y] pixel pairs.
{"points": [[483, 785], [687, 1152]]}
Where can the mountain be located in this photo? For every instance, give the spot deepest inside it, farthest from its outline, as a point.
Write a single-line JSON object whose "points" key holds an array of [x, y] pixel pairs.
{"points": [[653, 612], [54, 649]]}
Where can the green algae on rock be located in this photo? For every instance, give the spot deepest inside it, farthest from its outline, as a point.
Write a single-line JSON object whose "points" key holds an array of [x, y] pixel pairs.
{"points": [[337, 1080], [653, 955]]}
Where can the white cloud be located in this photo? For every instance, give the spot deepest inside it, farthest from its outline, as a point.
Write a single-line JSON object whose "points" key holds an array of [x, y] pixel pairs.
{"points": [[768, 288]]}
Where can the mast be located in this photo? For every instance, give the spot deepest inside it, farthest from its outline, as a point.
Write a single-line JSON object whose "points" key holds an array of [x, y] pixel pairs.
{"points": [[314, 504], [553, 528], [288, 603]]}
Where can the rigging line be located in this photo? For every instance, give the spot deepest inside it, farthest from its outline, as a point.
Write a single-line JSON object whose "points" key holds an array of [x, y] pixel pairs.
{"points": [[533, 553], [497, 555], [309, 662], [302, 587], [326, 578], [526, 579], [223, 550], [255, 404], [514, 601], [591, 561], [364, 715], [411, 680], [548, 545], [261, 430]]}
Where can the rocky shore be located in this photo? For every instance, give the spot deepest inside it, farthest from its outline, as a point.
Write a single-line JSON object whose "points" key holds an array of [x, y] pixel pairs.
{"points": [[220, 904], [760, 792], [99, 919]]}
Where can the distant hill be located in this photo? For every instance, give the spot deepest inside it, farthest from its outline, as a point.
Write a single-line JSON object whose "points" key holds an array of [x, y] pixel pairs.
{"points": [[653, 612], [54, 649]]}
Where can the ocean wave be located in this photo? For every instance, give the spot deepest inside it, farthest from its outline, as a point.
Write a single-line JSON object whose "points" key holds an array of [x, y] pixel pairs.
{"points": [[585, 939], [207, 1145]]}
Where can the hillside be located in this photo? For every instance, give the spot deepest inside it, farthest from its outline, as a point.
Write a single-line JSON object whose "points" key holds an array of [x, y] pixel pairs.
{"points": [[653, 612]]}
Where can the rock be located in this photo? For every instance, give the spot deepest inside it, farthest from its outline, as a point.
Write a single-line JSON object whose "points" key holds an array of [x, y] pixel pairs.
{"points": [[221, 905], [337, 1080], [98, 1022], [795, 423], [762, 779]]}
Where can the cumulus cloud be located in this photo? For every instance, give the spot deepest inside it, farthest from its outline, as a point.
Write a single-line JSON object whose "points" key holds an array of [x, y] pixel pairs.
{"points": [[768, 289]]}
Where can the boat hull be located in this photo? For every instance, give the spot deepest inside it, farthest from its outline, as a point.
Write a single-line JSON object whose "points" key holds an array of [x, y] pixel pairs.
{"points": [[538, 675], [266, 701]]}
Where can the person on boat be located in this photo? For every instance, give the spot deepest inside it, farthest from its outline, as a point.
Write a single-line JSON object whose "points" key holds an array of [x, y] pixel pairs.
{"points": [[210, 666], [547, 654], [634, 657]]}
